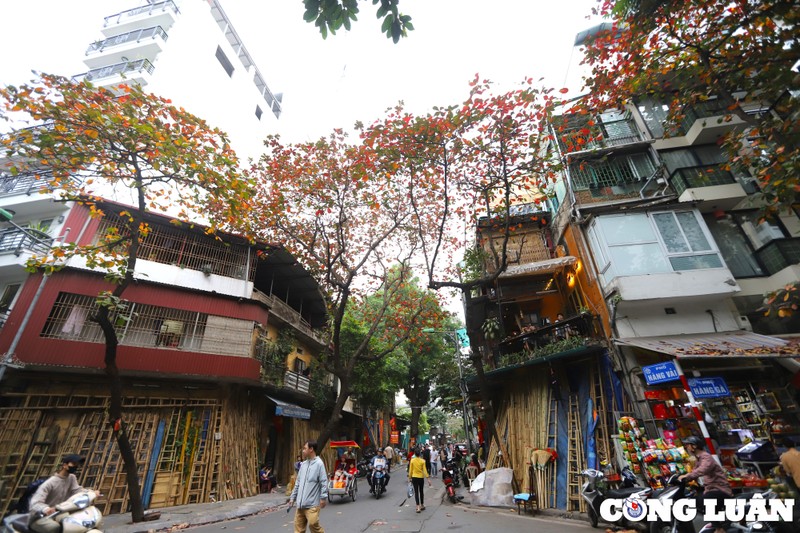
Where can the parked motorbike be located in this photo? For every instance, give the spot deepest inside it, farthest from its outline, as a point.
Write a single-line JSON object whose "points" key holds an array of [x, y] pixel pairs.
{"points": [[678, 489], [379, 478], [76, 515], [594, 495], [450, 479]]}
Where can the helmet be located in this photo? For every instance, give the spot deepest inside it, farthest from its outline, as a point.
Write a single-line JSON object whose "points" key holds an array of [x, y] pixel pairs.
{"points": [[694, 441]]}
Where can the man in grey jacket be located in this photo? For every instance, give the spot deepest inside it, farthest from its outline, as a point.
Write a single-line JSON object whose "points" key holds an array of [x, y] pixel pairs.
{"points": [[52, 492], [310, 491]]}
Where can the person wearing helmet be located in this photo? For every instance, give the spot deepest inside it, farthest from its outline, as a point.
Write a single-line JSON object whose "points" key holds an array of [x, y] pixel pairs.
{"points": [[715, 481]]}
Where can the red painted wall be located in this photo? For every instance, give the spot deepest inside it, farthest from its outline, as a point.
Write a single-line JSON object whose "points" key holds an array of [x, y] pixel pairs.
{"points": [[33, 349]]}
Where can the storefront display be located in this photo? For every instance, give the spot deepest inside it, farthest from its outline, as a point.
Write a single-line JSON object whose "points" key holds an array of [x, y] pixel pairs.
{"points": [[656, 459]]}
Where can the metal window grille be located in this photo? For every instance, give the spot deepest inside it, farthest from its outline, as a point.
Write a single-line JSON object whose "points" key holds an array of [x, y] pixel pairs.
{"points": [[188, 250], [610, 173], [149, 326]]}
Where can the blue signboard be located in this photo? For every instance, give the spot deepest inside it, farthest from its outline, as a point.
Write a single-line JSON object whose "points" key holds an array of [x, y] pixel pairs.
{"points": [[709, 387], [660, 373]]}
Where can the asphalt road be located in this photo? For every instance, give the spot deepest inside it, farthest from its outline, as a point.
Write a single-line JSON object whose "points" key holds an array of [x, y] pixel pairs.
{"points": [[394, 512]]}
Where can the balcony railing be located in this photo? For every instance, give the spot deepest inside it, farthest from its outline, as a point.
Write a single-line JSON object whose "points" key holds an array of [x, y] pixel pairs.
{"points": [[27, 183], [117, 69], [18, 240], [537, 342], [148, 9], [710, 108], [779, 254], [700, 176], [616, 133], [286, 313], [131, 36], [298, 382]]}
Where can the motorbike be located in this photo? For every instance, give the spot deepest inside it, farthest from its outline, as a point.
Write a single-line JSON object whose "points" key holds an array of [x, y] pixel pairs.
{"points": [[677, 489], [450, 479], [76, 515], [594, 494], [379, 479], [363, 465]]}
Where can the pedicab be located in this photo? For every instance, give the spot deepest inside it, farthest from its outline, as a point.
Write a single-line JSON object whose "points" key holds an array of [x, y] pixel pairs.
{"points": [[346, 484]]}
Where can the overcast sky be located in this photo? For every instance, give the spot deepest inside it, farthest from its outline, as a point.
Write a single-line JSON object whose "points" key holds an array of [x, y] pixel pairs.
{"points": [[350, 76]]}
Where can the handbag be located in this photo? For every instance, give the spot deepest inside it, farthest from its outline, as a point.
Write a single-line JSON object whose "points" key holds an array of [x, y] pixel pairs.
{"points": [[410, 489]]}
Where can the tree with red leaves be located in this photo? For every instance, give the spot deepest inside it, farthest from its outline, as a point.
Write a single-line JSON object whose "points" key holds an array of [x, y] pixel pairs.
{"points": [[740, 53]]}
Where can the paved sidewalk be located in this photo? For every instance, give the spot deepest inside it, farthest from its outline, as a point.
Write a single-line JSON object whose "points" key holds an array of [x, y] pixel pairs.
{"points": [[198, 513]]}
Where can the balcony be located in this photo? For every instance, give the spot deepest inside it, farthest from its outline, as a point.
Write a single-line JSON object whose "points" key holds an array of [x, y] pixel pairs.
{"points": [[779, 254], [615, 130], [538, 342], [153, 14], [133, 71], [705, 122], [286, 314], [141, 43], [17, 241], [707, 186]]}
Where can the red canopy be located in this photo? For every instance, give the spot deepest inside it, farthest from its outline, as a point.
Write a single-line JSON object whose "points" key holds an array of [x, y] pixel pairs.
{"points": [[343, 444]]}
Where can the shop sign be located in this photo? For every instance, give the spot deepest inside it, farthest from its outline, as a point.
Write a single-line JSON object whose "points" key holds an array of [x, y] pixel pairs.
{"points": [[660, 373], [394, 437], [709, 387]]}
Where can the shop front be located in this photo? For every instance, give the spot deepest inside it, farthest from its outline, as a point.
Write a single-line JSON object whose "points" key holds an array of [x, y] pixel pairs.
{"points": [[733, 389]]}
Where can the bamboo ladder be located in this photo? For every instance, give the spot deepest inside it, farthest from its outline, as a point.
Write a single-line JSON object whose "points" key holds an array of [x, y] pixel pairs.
{"points": [[574, 456]]}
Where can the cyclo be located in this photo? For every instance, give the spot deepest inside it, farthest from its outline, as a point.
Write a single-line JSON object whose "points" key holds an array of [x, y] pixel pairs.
{"points": [[343, 481]]}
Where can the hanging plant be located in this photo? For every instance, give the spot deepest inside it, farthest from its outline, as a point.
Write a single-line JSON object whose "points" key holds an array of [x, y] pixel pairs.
{"points": [[491, 327]]}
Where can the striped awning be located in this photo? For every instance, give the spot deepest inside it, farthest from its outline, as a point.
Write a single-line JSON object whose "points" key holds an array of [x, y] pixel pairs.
{"points": [[708, 345]]}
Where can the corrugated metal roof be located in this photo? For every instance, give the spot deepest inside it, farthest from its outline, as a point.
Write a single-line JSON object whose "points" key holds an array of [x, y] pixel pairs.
{"points": [[539, 267], [727, 344]]}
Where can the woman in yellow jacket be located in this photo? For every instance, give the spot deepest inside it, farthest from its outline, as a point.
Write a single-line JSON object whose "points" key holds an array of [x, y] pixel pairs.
{"points": [[417, 472]]}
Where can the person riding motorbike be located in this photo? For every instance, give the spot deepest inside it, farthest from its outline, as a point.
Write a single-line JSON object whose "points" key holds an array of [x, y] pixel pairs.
{"points": [[380, 461], [55, 490], [715, 481]]}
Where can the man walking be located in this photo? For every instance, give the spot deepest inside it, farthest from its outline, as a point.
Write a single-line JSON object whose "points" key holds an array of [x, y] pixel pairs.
{"points": [[310, 491], [388, 452]]}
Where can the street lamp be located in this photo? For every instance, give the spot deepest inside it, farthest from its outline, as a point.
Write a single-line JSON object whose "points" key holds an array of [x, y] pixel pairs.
{"points": [[461, 383]]}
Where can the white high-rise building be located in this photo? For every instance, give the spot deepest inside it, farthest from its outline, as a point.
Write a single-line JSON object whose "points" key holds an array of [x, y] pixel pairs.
{"points": [[188, 51]]}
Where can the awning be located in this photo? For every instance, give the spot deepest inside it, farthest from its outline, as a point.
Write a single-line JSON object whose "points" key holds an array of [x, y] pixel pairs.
{"points": [[539, 267], [708, 345], [289, 409]]}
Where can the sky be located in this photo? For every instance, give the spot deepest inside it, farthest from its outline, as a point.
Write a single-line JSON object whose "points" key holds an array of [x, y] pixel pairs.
{"points": [[351, 76]]}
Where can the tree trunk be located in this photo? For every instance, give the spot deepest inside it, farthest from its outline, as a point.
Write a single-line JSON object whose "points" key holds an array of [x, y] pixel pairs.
{"points": [[118, 425], [415, 413], [333, 422], [491, 424]]}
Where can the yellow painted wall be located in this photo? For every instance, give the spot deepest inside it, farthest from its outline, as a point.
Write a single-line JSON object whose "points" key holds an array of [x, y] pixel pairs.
{"points": [[586, 283]]}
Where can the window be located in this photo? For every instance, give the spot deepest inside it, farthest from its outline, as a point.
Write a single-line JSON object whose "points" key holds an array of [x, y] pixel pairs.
{"points": [[7, 298], [258, 112], [734, 246], [654, 114], [611, 172], [638, 243], [224, 61]]}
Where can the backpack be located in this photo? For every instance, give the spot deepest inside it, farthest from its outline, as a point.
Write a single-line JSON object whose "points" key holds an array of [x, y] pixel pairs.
{"points": [[23, 504]]}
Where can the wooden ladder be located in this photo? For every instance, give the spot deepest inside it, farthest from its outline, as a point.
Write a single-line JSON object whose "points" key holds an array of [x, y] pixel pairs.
{"points": [[549, 490], [575, 456]]}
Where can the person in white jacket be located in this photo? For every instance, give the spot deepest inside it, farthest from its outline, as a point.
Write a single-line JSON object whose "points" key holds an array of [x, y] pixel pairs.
{"points": [[310, 491]]}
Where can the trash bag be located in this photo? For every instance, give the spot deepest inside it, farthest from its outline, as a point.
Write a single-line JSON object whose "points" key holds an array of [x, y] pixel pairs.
{"points": [[410, 490]]}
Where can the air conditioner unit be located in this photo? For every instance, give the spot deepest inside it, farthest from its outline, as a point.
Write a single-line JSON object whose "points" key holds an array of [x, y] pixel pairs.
{"points": [[744, 323]]}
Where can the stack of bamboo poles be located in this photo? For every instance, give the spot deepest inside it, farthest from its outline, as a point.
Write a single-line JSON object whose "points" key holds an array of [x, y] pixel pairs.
{"points": [[522, 424]]}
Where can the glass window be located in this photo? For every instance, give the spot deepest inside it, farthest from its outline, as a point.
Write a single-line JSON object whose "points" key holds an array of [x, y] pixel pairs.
{"points": [[671, 233], [621, 229], [654, 114], [638, 259], [734, 247], [693, 231]]}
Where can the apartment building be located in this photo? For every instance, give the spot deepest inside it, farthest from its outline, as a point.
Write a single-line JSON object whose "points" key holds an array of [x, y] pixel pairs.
{"points": [[188, 51], [215, 339]]}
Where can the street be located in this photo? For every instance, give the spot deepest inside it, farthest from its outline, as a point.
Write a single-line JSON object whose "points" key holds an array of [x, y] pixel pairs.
{"points": [[395, 512]]}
